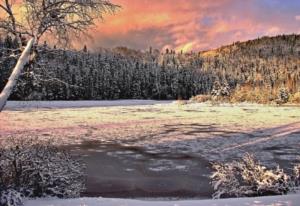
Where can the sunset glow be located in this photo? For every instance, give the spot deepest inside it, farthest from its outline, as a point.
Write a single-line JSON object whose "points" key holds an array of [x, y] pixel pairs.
{"points": [[194, 24]]}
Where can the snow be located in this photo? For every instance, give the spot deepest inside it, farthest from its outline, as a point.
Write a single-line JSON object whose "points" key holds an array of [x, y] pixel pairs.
{"points": [[215, 133], [17, 105], [12, 81], [285, 200], [182, 138]]}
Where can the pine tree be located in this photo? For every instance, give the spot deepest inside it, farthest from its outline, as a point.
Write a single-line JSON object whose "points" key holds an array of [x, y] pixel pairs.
{"points": [[85, 49], [225, 90], [216, 90], [283, 95]]}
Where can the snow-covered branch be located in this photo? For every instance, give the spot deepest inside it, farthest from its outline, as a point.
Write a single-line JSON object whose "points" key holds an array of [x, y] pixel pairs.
{"points": [[248, 178], [61, 18], [33, 168]]}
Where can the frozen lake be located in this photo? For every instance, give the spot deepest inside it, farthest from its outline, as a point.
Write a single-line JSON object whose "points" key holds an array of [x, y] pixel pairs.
{"points": [[115, 170], [158, 149], [21, 105]]}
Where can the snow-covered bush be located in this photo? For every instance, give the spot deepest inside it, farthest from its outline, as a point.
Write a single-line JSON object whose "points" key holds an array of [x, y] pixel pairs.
{"points": [[36, 169], [297, 175], [10, 197], [216, 90], [225, 90], [220, 90], [247, 178], [283, 95]]}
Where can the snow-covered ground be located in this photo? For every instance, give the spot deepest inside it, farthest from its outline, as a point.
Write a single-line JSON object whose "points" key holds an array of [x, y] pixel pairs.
{"points": [[152, 145], [17, 105], [286, 200], [212, 132]]}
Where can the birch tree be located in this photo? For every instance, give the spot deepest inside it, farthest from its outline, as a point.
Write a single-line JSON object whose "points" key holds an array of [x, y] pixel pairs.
{"points": [[61, 20]]}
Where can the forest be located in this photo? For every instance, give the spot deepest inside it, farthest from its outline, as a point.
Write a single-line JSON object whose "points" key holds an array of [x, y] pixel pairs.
{"points": [[268, 63]]}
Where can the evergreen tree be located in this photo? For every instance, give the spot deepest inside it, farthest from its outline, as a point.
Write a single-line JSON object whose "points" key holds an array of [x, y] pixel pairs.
{"points": [[283, 95]]}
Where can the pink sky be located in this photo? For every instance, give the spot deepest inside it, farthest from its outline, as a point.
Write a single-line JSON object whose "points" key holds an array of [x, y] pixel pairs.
{"points": [[195, 24]]}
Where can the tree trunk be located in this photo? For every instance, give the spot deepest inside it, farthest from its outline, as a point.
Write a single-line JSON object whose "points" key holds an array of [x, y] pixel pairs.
{"points": [[12, 81]]}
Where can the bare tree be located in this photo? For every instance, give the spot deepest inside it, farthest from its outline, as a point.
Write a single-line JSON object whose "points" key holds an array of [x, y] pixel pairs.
{"points": [[58, 19]]}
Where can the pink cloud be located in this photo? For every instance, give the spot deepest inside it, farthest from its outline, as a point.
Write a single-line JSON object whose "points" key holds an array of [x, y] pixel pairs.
{"points": [[190, 24]]}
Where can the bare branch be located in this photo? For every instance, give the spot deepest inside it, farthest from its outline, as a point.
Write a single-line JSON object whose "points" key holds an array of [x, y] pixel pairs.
{"points": [[62, 18], [65, 18], [4, 8]]}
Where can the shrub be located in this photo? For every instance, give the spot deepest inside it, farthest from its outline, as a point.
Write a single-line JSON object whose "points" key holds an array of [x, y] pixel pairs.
{"points": [[283, 95], [247, 178], [295, 98], [225, 90], [296, 176], [219, 93], [216, 90], [201, 98], [39, 170], [220, 90], [10, 197], [250, 94]]}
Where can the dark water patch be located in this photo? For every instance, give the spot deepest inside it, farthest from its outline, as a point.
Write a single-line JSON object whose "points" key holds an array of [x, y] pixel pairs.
{"points": [[115, 170], [276, 147], [284, 156]]}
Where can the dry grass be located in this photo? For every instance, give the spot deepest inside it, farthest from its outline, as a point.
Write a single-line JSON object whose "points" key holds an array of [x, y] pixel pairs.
{"points": [[248, 94], [295, 98], [181, 102], [255, 95], [201, 98]]}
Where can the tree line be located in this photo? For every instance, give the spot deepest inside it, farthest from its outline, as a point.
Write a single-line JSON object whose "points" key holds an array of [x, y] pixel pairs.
{"points": [[122, 73]]}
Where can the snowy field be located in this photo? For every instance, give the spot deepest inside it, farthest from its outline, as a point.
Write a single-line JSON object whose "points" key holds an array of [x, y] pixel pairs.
{"points": [[149, 148], [287, 200], [212, 132], [21, 105]]}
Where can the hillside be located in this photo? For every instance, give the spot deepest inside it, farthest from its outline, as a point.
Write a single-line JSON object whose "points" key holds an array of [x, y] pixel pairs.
{"points": [[269, 62], [265, 46]]}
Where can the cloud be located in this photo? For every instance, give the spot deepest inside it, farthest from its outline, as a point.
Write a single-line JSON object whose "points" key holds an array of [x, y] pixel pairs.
{"points": [[273, 30], [194, 24]]}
